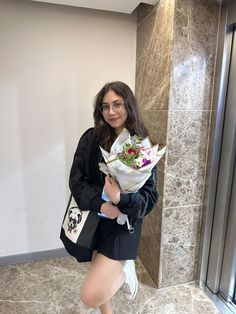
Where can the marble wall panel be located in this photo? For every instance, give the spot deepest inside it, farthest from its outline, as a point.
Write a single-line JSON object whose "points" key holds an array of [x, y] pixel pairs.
{"points": [[150, 243], [194, 49], [154, 50], [151, 234], [180, 240], [195, 36], [143, 11], [186, 157], [176, 47], [156, 122]]}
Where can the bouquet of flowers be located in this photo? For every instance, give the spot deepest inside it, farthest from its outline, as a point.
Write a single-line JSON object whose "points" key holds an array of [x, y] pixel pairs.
{"points": [[130, 161]]}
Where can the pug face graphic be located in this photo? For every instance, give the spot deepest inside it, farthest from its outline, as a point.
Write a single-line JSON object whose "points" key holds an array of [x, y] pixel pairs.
{"points": [[75, 217]]}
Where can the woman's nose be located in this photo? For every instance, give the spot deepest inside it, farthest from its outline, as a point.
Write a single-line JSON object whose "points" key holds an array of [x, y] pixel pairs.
{"points": [[111, 110]]}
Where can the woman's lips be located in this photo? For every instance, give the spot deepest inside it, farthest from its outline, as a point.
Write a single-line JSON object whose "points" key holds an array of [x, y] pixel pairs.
{"points": [[113, 119]]}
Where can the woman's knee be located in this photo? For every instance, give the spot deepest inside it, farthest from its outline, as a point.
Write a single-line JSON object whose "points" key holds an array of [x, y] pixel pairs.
{"points": [[90, 296]]}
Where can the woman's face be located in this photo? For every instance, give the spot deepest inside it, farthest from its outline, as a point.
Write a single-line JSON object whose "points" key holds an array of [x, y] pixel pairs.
{"points": [[113, 111]]}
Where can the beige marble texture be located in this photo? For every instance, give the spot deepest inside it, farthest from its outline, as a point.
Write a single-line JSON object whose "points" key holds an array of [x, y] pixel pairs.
{"points": [[180, 242], [149, 245], [194, 48], [52, 287], [154, 50], [143, 276], [176, 47], [156, 121], [191, 85], [186, 157], [143, 11]]}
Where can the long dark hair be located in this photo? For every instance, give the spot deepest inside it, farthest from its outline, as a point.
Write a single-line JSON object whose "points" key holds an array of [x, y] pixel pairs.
{"points": [[134, 124]]}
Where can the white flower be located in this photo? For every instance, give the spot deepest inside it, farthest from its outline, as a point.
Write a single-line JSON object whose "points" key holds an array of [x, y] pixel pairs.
{"points": [[138, 162]]}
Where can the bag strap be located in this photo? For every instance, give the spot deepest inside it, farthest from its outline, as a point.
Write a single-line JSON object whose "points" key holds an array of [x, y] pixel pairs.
{"points": [[70, 198], [67, 207]]}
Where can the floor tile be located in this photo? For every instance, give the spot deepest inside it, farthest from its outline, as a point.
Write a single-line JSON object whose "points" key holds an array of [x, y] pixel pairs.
{"points": [[52, 286]]}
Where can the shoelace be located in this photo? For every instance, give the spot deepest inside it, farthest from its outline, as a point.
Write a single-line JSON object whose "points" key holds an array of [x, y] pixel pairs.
{"points": [[126, 289]]}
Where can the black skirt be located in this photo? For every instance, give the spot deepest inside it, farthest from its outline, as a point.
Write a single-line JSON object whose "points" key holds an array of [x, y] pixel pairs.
{"points": [[111, 239]]}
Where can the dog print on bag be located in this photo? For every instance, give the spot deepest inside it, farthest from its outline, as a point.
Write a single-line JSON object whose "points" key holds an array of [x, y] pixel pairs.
{"points": [[75, 217]]}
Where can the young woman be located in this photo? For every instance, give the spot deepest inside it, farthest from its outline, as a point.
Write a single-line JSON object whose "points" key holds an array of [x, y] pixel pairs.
{"points": [[114, 248]]}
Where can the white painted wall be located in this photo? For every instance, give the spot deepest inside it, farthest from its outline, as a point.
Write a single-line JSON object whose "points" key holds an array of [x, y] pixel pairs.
{"points": [[53, 60]]}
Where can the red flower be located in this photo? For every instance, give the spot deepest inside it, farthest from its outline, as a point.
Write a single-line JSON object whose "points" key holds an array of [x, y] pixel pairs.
{"points": [[132, 151]]}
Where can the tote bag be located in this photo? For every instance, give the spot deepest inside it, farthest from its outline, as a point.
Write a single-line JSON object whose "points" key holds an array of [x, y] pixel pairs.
{"points": [[79, 226]]}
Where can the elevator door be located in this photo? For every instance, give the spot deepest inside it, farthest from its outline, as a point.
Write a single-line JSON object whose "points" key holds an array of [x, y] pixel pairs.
{"points": [[221, 273]]}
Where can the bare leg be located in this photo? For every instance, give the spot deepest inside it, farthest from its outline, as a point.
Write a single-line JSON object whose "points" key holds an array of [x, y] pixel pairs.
{"points": [[103, 280], [105, 308]]}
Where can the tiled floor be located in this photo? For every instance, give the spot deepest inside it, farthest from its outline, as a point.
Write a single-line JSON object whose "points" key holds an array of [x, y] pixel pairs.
{"points": [[52, 286]]}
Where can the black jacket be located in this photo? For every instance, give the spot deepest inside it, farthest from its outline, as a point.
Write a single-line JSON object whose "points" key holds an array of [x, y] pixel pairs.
{"points": [[86, 182]]}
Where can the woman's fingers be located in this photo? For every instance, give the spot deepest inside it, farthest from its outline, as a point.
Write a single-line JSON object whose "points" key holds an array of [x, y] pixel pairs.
{"points": [[112, 190], [110, 210], [112, 182], [108, 180]]}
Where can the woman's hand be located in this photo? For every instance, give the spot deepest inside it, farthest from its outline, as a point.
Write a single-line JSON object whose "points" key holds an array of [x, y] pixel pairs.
{"points": [[112, 190], [110, 210]]}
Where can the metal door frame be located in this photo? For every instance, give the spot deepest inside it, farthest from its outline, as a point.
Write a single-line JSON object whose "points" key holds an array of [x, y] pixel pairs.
{"points": [[225, 178], [227, 19]]}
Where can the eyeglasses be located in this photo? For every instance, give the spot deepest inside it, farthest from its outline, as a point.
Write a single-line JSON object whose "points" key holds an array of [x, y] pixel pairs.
{"points": [[116, 107]]}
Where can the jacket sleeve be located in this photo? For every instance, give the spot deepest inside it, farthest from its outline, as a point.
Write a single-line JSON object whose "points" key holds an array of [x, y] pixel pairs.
{"points": [[86, 195], [142, 202]]}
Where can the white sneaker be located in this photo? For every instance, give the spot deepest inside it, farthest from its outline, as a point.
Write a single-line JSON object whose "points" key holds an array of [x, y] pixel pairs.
{"points": [[131, 281]]}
